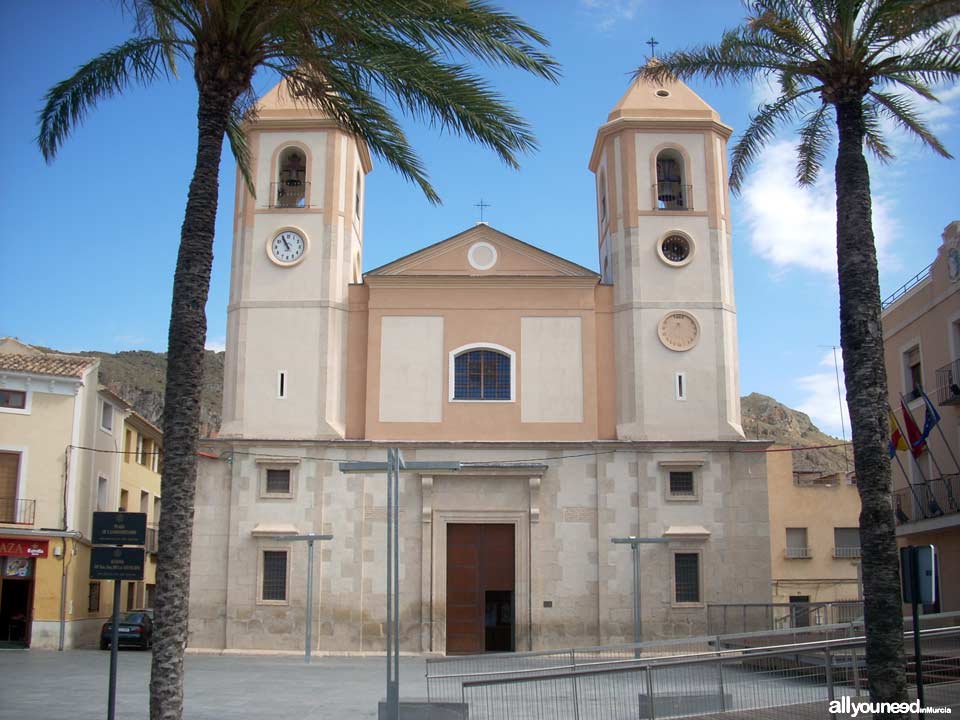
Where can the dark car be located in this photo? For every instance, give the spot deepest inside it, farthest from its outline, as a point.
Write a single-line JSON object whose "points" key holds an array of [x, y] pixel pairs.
{"points": [[135, 628]]}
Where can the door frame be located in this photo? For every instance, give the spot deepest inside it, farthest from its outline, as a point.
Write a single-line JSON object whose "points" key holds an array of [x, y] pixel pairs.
{"points": [[437, 590]]}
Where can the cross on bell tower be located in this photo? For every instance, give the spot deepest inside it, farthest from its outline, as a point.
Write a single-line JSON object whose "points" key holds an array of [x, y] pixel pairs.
{"points": [[652, 42], [483, 206]]}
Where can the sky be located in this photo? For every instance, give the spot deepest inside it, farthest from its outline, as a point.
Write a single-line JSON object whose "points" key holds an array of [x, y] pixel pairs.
{"points": [[89, 241]]}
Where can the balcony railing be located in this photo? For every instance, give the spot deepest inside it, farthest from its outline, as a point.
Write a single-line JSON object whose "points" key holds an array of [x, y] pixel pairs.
{"points": [[672, 195], [797, 553], [948, 384], [922, 501], [290, 194], [907, 287], [846, 552], [16, 511], [151, 545]]}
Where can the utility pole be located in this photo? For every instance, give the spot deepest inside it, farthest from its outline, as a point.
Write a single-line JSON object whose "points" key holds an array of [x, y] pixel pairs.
{"points": [[635, 542], [309, 538]]}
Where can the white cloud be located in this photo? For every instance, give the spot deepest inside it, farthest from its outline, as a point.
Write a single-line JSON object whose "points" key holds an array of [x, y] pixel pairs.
{"points": [[792, 226], [821, 401], [607, 13], [217, 344]]}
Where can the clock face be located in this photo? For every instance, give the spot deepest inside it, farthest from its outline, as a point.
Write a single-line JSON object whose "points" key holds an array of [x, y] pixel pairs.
{"points": [[287, 247], [679, 330]]}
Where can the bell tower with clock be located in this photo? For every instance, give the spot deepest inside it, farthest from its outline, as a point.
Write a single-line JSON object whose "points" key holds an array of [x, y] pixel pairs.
{"points": [[663, 223], [297, 246]]}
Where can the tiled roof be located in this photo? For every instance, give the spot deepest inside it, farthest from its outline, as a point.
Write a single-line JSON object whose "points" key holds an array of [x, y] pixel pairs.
{"points": [[46, 364]]}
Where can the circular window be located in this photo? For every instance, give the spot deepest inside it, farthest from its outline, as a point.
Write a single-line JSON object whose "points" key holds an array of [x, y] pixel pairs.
{"points": [[675, 249], [482, 256], [663, 93]]}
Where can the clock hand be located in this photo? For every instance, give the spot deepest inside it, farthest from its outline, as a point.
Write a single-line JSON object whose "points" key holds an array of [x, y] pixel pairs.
{"points": [[285, 243]]}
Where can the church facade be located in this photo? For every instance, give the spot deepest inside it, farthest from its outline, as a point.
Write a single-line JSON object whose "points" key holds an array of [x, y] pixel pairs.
{"points": [[583, 406]]}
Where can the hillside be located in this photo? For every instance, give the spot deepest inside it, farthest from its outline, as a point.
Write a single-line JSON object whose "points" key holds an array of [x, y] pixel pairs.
{"points": [[138, 377]]}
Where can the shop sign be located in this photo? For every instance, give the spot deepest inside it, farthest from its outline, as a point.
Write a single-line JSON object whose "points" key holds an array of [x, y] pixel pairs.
{"points": [[23, 547], [124, 563], [17, 567]]}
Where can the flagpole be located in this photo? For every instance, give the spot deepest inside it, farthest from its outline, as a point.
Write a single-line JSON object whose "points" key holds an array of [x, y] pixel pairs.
{"points": [[906, 477], [931, 409], [940, 430], [904, 408]]}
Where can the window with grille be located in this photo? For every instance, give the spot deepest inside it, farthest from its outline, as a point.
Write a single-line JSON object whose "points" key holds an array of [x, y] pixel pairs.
{"points": [[93, 597], [274, 580], [481, 375], [13, 399], [797, 543], [846, 542], [278, 481], [686, 567], [681, 483]]}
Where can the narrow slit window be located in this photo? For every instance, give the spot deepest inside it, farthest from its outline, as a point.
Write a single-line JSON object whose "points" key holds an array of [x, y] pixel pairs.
{"points": [[681, 385], [282, 384]]}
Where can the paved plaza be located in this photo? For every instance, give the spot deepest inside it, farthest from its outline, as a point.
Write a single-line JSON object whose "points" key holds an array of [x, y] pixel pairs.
{"points": [[72, 685]]}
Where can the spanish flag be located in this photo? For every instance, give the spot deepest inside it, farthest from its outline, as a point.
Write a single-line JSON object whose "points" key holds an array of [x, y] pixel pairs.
{"points": [[897, 441]]}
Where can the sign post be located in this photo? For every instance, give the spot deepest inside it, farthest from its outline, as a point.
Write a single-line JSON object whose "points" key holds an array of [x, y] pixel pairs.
{"points": [[919, 583], [635, 542], [310, 539], [116, 562]]}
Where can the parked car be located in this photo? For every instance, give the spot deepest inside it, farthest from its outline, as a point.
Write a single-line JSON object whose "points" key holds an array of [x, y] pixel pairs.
{"points": [[135, 628]]}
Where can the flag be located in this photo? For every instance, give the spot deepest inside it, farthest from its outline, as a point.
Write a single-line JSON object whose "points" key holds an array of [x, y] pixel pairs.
{"points": [[913, 432], [897, 441], [930, 418]]}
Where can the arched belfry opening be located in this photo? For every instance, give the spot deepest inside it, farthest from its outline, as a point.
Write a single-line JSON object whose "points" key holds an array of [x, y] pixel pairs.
{"points": [[671, 190], [290, 189]]}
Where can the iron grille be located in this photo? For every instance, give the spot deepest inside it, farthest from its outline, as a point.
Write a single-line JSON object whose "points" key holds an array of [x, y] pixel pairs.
{"points": [[274, 575], [687, 574]]}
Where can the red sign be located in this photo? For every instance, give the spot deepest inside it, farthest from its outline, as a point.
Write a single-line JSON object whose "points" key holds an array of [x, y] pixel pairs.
{"points": [[23, 547]]}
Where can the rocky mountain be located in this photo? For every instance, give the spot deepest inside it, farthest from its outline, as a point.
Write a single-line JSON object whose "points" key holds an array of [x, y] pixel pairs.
{"points": [[138, 377]]}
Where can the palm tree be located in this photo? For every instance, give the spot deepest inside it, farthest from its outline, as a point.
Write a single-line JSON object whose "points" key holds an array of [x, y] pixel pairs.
{"points": [[350, 59], [845, 61]]}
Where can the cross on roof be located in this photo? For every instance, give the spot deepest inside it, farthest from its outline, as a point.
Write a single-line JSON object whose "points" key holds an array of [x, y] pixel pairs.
{"points": [[482, 205], [652, 42]]}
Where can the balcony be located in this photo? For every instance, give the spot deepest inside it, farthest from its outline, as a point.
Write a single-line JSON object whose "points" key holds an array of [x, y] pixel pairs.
{"points": [[797, 553], [948, 384], [923, 501], [290, 194], [151, 540], [672, 195], [848, 553], [15, 511]]}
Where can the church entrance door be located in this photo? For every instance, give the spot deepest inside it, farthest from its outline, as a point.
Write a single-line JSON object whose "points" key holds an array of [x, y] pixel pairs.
{"points": [[480, 588]]}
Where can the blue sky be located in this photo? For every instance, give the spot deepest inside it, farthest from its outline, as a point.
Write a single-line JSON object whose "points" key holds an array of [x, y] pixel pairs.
{"points": [[89, 242]]}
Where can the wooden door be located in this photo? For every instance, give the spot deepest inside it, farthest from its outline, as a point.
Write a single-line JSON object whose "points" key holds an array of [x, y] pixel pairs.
{"points": [[480, 559]]}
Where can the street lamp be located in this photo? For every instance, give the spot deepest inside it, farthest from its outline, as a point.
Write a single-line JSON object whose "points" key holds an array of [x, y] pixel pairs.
{"points": [[310, 538], [392, 467], [635, 542]]}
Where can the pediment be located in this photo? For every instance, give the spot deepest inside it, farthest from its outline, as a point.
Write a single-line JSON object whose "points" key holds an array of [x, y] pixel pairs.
{"points": [[482, 251]]}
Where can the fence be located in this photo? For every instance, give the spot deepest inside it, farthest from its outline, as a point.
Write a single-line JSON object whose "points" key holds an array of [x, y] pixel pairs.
{"points": [[798, 679], [724, 618]]}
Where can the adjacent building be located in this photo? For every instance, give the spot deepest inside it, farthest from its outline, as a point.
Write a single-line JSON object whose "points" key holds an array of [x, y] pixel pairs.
{"points": [[62, 442], [921, 329], [584, 406]]}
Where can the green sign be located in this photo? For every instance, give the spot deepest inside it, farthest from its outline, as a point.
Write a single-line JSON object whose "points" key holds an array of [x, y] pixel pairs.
{"points": [[116, 563], [119, 528]]}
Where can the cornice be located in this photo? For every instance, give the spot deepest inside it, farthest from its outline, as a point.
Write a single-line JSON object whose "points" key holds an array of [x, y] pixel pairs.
{"points": [[674, 125], [473, 281]]}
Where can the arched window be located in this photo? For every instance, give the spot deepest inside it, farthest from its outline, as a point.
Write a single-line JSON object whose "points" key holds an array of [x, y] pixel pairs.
{"points": [[672, 191], [482, 374], [290, 190]]}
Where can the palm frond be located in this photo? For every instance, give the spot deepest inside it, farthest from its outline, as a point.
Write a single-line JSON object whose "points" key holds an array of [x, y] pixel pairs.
{"points": [[760, 132], [815, 134], [873, 133], [903, 112], [240, 115], [139, 61]]}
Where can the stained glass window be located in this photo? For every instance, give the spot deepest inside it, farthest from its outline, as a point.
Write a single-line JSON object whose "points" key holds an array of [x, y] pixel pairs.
{"points": [[481, 375]]}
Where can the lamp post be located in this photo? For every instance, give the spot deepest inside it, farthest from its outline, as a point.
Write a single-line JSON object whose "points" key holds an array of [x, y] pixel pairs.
{"points": [[635, 542], [392, 467], [310, 538]]}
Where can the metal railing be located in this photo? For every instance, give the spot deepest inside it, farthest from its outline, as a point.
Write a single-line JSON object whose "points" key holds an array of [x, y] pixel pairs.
{"points": [[290, 194], [16, 511], [803, 677], [797, 553], [151, 539], [907, 287], [852, 551], [726, 618], [948, 384], [672, 195], [922, 501]]}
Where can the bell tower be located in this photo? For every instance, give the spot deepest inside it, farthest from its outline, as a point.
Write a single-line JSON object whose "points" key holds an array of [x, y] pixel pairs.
{"points": [[297, 246], [663, 224]]}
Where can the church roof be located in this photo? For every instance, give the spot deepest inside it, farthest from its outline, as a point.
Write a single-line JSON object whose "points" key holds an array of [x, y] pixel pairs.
{"points": [[482, 251], [669, 99]]}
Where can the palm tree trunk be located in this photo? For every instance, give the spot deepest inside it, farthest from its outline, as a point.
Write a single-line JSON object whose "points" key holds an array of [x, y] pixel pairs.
{"points": [[181, 408], [861, 337]]}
